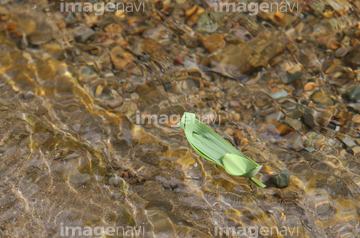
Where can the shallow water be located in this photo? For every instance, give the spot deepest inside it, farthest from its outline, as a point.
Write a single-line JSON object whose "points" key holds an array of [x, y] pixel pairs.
{"points": [[282, 88]]}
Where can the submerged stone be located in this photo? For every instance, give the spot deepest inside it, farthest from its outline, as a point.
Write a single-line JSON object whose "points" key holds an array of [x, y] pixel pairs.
{"points": [[354, 93], [322, 98], [353, 58], [244, 59], [282, 179]]}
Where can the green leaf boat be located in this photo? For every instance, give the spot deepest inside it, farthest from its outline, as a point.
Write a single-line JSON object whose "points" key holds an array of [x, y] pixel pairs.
{"points": [[213, 147]]}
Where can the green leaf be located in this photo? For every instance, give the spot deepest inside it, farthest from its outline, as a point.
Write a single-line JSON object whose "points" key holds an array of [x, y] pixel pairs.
{"points": [[258, 183], [240, 166], [213, 147]]}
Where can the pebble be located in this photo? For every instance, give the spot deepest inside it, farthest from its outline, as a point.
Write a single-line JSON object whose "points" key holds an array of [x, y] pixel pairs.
{"points": [[354, 93], [212, 42], [83, 33], [353, 58], [120, 57], [341, 52], [281, 180], [234, 104]]}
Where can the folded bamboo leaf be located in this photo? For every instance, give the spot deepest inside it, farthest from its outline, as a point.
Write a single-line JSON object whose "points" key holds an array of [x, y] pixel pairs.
{"points": [[213, 147]]}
